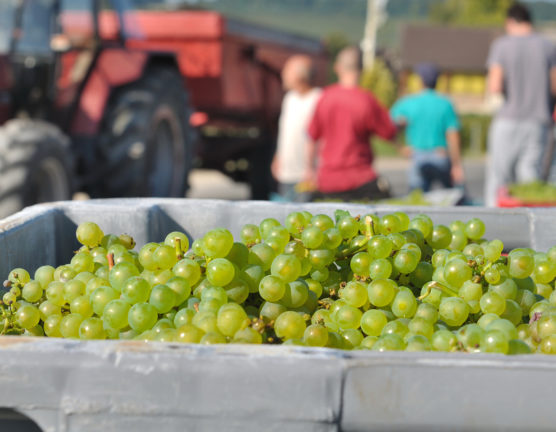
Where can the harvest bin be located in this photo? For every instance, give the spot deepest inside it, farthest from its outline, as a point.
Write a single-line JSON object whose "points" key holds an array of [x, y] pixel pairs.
{"points": [[69, 385]]}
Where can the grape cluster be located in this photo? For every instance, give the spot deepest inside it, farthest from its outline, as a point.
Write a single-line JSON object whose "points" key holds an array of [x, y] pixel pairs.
{"points": [[352, 282]]}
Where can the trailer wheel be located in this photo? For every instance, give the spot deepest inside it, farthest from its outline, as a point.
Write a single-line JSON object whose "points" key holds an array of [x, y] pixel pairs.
{"points": [[146, 141], [36, 165]]}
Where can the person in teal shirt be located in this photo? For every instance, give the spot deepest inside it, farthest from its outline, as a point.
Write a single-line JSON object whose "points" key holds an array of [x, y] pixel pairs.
{"points": [[432, 134]]}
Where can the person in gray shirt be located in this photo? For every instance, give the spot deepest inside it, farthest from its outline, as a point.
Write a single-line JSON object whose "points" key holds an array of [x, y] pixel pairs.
{"points": [[522, 75]]}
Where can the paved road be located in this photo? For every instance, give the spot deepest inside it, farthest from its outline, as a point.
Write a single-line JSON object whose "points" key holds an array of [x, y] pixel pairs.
{"points": [[212, 184]]}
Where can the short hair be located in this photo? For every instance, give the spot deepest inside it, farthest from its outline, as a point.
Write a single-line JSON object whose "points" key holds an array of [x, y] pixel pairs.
{"points": [[519, 12], [350, 58], [303, 66]]}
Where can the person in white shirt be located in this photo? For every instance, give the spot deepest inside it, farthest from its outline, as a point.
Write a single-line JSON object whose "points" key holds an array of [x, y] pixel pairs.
{"points": [[298, 105]]}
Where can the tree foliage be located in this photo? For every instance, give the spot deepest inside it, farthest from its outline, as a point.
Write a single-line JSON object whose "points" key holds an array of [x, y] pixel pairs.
{"points": [[470, 12], [381, 82]]}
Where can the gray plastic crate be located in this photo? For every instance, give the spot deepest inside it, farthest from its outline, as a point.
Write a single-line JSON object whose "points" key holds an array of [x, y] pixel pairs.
{"points": [[66, 385]]}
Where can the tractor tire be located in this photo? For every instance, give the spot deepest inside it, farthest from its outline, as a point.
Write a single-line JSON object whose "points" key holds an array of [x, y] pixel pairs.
{"points": [[146, 141], [36, 165]]}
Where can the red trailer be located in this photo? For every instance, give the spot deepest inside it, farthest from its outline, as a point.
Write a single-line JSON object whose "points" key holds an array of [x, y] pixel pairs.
{"points": [[101, 97]]}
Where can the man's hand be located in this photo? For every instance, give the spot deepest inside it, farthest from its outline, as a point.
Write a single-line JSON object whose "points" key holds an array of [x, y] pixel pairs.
{"points": [[405, 151], [457, 174], [275, 168]]}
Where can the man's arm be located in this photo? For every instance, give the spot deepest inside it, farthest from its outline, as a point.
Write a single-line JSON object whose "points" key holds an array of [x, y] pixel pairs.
{"points": [[495, 79], [454, 151], [310, 175], [553, 80]]}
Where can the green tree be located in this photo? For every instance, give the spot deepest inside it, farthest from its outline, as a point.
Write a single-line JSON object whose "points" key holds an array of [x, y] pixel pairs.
{"points": [[381, 82], [470, 12]]}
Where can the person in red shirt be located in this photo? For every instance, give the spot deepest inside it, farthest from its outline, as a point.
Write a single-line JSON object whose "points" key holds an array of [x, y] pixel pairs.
{"points": [[345, 118]]}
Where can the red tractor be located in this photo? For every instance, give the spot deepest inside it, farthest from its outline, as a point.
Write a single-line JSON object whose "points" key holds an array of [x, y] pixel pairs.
{"points": [[98, 96]]}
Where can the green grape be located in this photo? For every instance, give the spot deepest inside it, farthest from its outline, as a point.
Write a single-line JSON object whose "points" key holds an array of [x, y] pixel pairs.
{"points": [[217, 243], [422, 274], [146, 256], [418, 343], [316, 335], [211, 305], [84, 277], [82, 305], [453, 311], [270, 311], [403, 219], [295, 248], [520, 265], [389, 342], [289, 325], [286, 267], [492, 302], [28, 316], [206, 321], [266, 225], [32, 292], [272, 288], [89, 234], [473, 249], [238, 255], [250, 234], [397, 327], [55, 293], [120, 273], [444, 340], [380, 246], [492, 276], [352, 337], [517, 347], [423, 224], [504, 326], [380, 269], [161, 277], [248, 335], [320, 258], [261, 254], [440, 237], [181, 287], [474, 229], [295, 294], [315, 287], [486, 319], [82, 261], [279, 235], [47, 308], [348, 317], [389, 224], [360, 264], [548, 345], [172, 240], [115, 314], [427, 312], [544, 290], [109, 240], [546, 326], [135, 290], [103, 272], [420, 326], [237, 291], [456, 272], [44, 275], [212, 338], [163, 298], [220, 272], [495, 341], [354, 293], [404, 304], [348, 227], [397, 239], [166, 335], [507, 289], [438, 259], [142, 317], [92, 328], [312, 237], [332, 238], [197, 248], [512, 312], [322, 222], [73, 289], [69, 325], [188, 333], [183, 316], [470, 336], [52, 326], [381, 292], [335, 340], [457, 225], [459, 240], [101, 296], [231, 318], [406, 261], [164, 257]]}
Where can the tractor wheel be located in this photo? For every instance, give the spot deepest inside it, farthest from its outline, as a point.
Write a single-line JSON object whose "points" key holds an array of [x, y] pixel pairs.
{"points": [[146, 141], [36, 165]]}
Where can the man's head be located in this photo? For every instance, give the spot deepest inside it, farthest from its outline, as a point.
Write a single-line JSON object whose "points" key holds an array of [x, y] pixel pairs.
{"points": [[428, 72], [518, 19], [298, 73], [348, 65]]}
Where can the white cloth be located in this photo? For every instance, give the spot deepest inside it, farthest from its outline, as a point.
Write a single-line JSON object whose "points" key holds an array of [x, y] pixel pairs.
{"points": [[297, 112]]}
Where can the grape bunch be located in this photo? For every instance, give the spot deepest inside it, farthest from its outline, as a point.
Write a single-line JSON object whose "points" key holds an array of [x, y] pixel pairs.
{"points": [[349, 282], [536, 192]]}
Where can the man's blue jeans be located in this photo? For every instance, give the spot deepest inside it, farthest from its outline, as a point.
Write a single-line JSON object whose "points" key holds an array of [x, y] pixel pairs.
{"points": [[428, 167]]}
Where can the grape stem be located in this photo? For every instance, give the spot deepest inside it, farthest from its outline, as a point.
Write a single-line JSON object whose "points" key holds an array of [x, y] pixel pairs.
{"points": [[440, 287], [110, 258], [369, 231], [179, 254]]}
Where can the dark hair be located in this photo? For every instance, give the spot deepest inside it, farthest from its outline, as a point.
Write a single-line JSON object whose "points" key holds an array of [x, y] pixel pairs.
{"points": [[519, 12]]}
